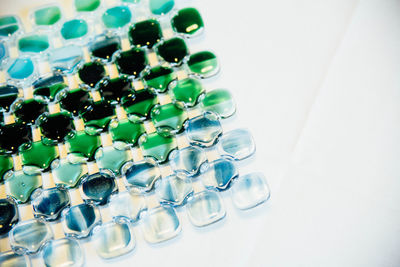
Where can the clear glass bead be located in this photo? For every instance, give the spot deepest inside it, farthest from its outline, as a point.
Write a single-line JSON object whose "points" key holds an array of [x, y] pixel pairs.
{"points": [[205, 208]]}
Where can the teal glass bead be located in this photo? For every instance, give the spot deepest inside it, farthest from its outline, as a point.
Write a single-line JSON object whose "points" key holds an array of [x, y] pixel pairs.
{"points": [[205, 208], [186, 92], [98, 187], [157, 146], [238, 144], [219, 101], [204, 130], [188, 160], [161, 7], [160, 224], [20, 185], [174, 190], [168, 118], [79, 221], [9, 215], [113, 239], [35, 43], [188, 21], [145, 33], [127, 205], [48, 203], [140, 176], [47, 16], [86, 5], [21, 68], [66, 59], [111, 158], [3, 52], [250, 190], [104, 47], [219, 174], [9, 25], [65, 174], [12, 259], [203, 64], [173, 51], [30, 236], [116, 17], [64, 252], [158, 78], [73, 29]]}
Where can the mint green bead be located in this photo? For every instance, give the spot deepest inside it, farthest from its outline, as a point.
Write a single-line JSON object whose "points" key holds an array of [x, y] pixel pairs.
{"points": [[75, 28], [116, 17]]}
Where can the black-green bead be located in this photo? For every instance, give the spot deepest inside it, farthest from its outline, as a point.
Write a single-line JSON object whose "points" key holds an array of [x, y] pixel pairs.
{"points": [[29, 110], [75, 100], [131, 62], [145, 33], [173, 50], [112, 90], [188, 21], [91, 73]]}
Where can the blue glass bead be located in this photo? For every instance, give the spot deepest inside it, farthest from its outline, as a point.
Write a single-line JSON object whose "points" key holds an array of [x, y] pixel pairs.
{"points": [[113, 239], [219, 174], [204, 130], [116, 17], [21, 68], [111, 158], [174, 190], [127, 205], [66, 59], [187, 160], [65, 252], [3, 52], [161, 7], [205, 208], [29, 236], [11, 259], [238, 144], [48, 204], [160, 224], [79, 221], [98, 187], [8, 215], [66, 174], [250, 190], [141, 176]]}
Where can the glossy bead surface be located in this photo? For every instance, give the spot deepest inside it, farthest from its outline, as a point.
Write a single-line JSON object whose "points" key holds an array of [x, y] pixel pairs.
{"points": [[12, 136], [73, 29], [8, 25], [157, 146], [98, 187], [83, 146], [188, 21], [219, 174], [131, 62], [174, 190], [187, 160], [161, 7], [112, 90], [113, 239], [116, 17], [173, 50], [158, 78], [160, 224], [168, 118], [47, 16], [139, 103], [29, 236], [91, 73], [8, 215], [97, 115], [56, 126], [48, 203], [33, 43], [204, 130], [111, 158], [203, 64], [66, 59], [104, 47], [75, 100], [48, 86], [65, 252], [126, 130], [37, 156], [127, 205], [11, 259], [20, 185], [86, 5], [140, 176], [79, 221], [186, 92], [145, 33], [219, 101], [66, 174], [21, 68], [238, 144], [6, 164], [250, 190], [205, 208], [29, 110], [8, 94]]}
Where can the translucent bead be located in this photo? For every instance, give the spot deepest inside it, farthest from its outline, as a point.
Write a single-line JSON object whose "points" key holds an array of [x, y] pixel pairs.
{"points": [[79, 221], [219, 174], [238, 144], [204, 130], [98, 187], [11, 259], [160, 224], [141, 176], [127, 205], [65, 252], [49, 203], [187, 160], [205, 208], [174, 189]]}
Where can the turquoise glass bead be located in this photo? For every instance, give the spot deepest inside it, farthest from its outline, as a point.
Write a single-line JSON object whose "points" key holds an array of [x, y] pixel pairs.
{"points": [[3, 52], [116, 17], [111, 158], [86, 5], [35, 43], [21, 68], [47, 16], [66, 59], [66, 174], [73, 29], [9, 25], [161, 7], [20, 185]]}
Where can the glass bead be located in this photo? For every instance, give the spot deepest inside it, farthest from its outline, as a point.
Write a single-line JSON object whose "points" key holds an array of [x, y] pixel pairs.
{"points": [[219, 101], [160, 224], [37, 156], [219, 174], [112, 90], [187, 21], [20, 185], [8, 25], [131, 62], [238, 144], [111, 158], [11, 259], [104, 47], [204, 130], [34, 43], [187, 160], [47, 16], [48, 203], [173, 51], [27, 111], [174, 190], [86, 5], [186, 92], [126, 130], [8, 94], [6, 164], [21, 68], [98, 187], [145, 33], [139, 103], [249, 191], [48, 86], [127, 205], [79, 221], [158, 78], [75, 100], [12, 136], [116, 17], [168, 118], [161, 7], [97, 116], [91, 73], [140, 176], [55, 127], [8, 215], [157, 146], [66, 59], [73, 29], [65, 173], [82, 146], [205, 208], [65, 252], [203, 64], [3, 52]]}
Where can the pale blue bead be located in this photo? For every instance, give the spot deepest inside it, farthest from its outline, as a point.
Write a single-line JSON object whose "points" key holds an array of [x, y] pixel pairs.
{"points": [[127, 205], [11, 259], [141, 176], [79, 221], [29, 236], [66, 59], [205, 208], [238, 144], [65, 252], [187, 160], [113, 239], [219, 174], [204, 130], [250, 190], [21, 68], [48, 203], [174, 189], [160, 224]]}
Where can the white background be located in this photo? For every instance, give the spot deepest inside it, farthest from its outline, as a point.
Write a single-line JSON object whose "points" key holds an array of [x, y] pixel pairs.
{"points": [[318, 84]]}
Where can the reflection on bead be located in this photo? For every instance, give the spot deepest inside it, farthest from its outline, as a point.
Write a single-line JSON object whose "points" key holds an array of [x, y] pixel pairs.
{"points": [[238, 144], [187, 160], [160, 224], [174, 189], [204, 130], [11, 259], [127, 205], [205, 208], [65, 252], [78, 221], [140, 176], [219, 174]]}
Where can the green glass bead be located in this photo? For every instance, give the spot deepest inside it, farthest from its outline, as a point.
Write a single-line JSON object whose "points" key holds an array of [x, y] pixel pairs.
{"points": [[168, 118], [29, 110], [48, 86], [139, 103], [111, 158], [131, 1], [8, 25], [161, 7], [158, 78], [204, 64], [20, 185], [219, 101], [91, 73], [173, 50], [73, 29], [145, 33], [126, 130], [66, 174], [157, 146], [83, 146], [97, 116], [86, 5], [6, 164], [131, 62], [33, 43], [116, 17], [37, 156], [104, 47], [187, 21], [47, 16], [186, 92]]}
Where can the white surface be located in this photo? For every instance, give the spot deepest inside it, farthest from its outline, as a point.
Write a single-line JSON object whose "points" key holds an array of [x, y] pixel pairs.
{"points": [[318, 85]]}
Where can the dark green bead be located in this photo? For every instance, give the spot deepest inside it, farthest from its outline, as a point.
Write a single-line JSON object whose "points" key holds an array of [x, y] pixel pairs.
{"points": [[33, 43], [131, 62], [8, 25], [47, 16], [29, 110], [8, 94], [56, 126], [97, 116], [98, 187], [91, 73], [49, 87], [173, 50], [145, 33], [86, 5], [187, 21], [105, 47], [75, 100], [126, 130], [157, 146], [112, 90], [186, 92], [139, 103], [20, 185], [6, 164], [37, 155], [158, 78], [204, 64], [168, 118], [83, 145], [73, 29], [12, 136], [8, 215]]}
